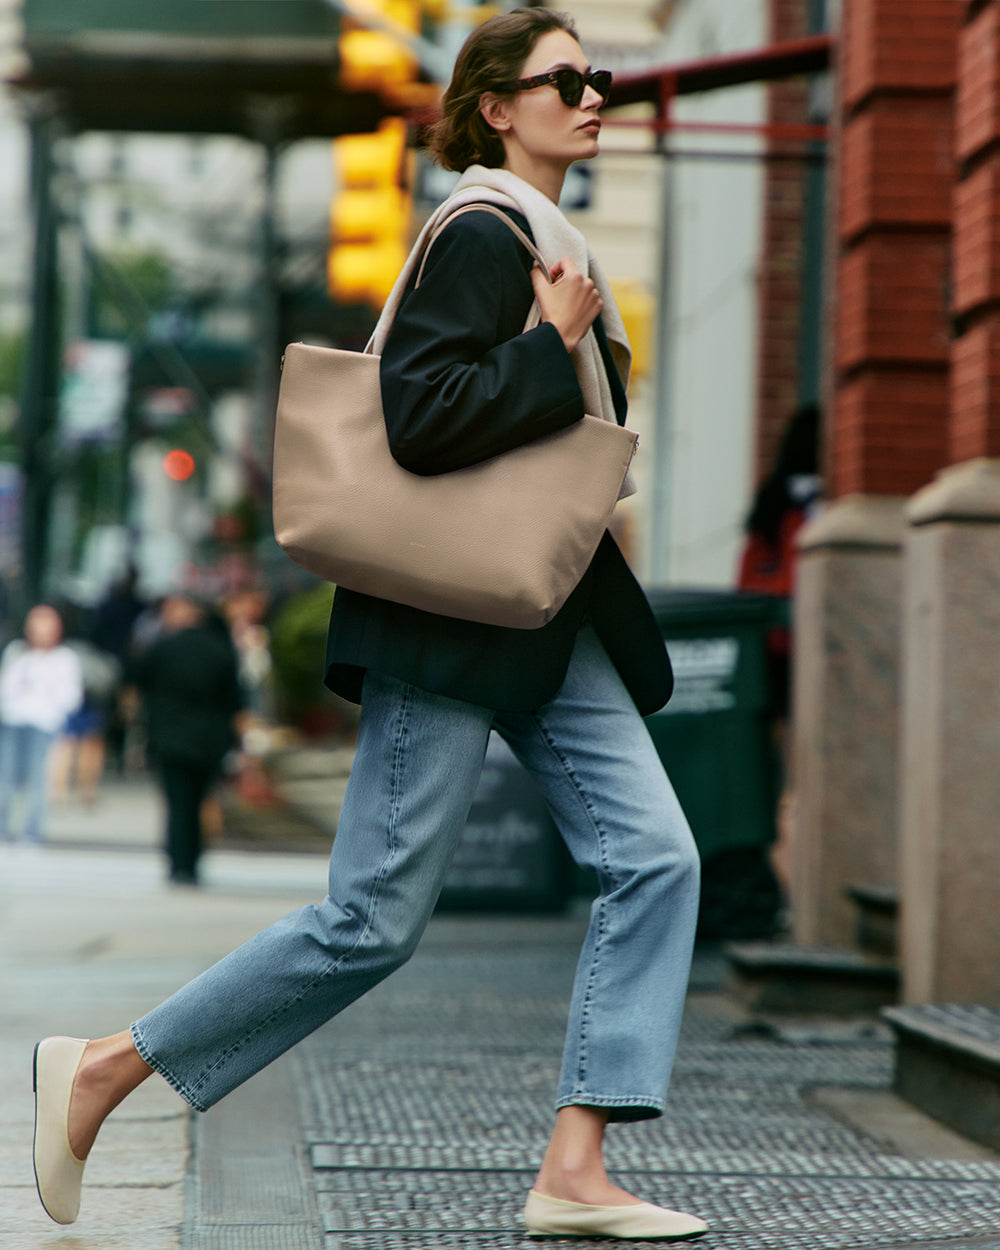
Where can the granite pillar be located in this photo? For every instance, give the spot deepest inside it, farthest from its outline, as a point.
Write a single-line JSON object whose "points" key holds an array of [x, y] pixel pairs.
{"points": [[847, 621], [950, 753]]}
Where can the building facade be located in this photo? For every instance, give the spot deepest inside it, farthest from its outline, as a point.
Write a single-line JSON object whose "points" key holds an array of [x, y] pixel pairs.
{"points": [[897, 731]]}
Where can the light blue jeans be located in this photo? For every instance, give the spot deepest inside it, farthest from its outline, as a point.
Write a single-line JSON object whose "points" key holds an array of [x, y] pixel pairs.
{"points": [[24, 760], [418, 762]]}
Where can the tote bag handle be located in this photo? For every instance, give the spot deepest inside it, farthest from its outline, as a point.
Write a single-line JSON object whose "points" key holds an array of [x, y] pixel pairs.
{"points": [[494, 212]]}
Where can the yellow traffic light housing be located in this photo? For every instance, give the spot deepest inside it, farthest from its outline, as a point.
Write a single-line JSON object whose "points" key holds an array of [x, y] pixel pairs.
{"points": [[369, 215], [364, 273], [638, 312], [372, 160], [375, 59]]}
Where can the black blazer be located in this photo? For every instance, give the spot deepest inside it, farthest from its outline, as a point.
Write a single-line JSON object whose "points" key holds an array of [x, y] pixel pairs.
{"points": [[461, 383]]}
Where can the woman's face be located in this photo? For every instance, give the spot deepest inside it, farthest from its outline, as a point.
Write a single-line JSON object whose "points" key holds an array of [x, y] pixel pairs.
{"points": [[535, 125], [43, 627]]}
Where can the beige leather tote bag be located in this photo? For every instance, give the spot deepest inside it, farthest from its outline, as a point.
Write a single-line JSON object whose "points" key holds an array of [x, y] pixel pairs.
{"points": [[503, 542]]}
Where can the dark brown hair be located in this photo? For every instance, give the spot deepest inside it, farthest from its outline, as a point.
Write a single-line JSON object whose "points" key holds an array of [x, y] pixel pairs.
{"points": [[492, 55]]}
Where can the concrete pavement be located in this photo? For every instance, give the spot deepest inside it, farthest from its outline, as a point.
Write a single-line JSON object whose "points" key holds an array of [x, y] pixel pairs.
{"points": [[91, 936], [417, 1117]]}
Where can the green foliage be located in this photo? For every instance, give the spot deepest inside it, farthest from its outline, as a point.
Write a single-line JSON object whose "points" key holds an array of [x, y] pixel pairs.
{"points": [[98, 474], [130, 286], [298, 647], [13, 345]]}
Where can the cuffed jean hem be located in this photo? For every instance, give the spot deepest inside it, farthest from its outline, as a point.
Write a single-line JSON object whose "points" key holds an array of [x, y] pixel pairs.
{"points": [[148, 1058], [620, 1110]]}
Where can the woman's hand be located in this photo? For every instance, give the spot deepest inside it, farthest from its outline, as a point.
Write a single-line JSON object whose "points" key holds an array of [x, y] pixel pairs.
{"points": [[570, 302]]}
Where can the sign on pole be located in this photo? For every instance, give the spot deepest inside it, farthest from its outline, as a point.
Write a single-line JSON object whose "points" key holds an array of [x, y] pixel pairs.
{"points": [[94, 391]]}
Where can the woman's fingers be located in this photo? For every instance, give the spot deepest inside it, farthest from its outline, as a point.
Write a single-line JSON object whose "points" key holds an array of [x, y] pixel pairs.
{"points": [[571, 302], [539, 280]]}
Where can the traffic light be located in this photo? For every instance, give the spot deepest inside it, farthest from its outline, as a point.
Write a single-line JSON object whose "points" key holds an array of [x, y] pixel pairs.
{"points": [[375, 59], [638, 312], [369, 215], [178, 464]]}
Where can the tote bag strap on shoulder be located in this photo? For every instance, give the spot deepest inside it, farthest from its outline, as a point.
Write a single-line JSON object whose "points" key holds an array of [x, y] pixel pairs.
{"points": [[495, 212]]}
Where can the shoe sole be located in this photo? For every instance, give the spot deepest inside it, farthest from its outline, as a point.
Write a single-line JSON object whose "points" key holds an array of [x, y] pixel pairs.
{"points": [[34, 1135], [614, 1236]]}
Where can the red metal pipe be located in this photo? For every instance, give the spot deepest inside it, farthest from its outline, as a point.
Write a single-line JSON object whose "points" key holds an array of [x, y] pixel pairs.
{"points": [[779, 60], [788, 131]]}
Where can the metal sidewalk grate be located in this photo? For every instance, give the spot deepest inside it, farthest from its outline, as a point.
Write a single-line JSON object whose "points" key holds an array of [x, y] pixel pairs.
{"points": [[427, 1107]]}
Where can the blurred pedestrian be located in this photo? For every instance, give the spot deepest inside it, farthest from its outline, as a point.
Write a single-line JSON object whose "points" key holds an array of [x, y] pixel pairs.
{"points": [[117, 613], [147, 626], [783, 502], [245, 611], [189, 685], [79, 753], [114, 622], [41, 683], [461, 382]]}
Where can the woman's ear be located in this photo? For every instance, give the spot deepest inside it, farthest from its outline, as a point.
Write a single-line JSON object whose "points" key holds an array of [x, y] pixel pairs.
{"points": [[495, 111]]}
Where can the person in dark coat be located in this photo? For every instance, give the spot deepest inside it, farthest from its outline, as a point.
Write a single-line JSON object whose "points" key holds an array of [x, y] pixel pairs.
{"points": [[115, 619], [189, 683], [463, 380]]}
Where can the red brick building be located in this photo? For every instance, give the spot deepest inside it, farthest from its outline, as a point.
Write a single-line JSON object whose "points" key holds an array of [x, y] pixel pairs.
{"points": [[783, 282], [914, 364], [974, 417], [892, 242], [912, 341], [898, 599]]}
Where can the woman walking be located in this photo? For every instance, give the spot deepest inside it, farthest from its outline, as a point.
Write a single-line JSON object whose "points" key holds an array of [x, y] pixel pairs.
{"points": [[461, 383], [41, 683]]}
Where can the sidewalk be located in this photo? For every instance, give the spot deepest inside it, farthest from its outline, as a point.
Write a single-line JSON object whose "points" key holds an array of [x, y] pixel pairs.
{"points": [[91, 936], [417, 1117]]}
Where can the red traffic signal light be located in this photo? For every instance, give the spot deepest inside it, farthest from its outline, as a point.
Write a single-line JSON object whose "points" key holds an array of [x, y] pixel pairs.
{"points": [[178, 464]]}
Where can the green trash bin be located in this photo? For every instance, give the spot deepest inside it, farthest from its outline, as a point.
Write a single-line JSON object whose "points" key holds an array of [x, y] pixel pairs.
{"points": [[716, 742], [510, 856]]}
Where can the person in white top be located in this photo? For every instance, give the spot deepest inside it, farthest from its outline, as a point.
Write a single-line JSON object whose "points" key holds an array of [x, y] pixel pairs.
{"points": [[40, 684]]}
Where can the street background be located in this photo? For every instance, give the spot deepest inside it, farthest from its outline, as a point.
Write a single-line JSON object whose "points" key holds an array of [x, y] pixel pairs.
{"points": [[416, 1118], [797, 203]]}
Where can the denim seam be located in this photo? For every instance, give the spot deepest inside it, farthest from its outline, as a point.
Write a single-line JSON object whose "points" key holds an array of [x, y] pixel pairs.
{"points": [[585, 1009], [379, 879]]}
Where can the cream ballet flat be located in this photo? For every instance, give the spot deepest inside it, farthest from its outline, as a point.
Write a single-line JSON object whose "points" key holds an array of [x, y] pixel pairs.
{"points": [[58, 1172], [554, 1217]]}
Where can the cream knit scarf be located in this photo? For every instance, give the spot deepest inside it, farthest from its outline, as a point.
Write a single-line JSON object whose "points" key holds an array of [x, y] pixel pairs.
{"points": [[555, 238]]}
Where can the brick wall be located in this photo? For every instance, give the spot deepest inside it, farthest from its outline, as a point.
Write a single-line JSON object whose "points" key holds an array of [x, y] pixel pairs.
{"points": [[974, 427], [892, 319], [780, 283]]}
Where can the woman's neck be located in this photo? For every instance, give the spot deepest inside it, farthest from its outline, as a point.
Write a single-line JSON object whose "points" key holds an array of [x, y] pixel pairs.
{"points": [[542, 175]]}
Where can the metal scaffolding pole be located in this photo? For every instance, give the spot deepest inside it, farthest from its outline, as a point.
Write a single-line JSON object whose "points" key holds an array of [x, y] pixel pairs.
{"points": [[37, 420]]}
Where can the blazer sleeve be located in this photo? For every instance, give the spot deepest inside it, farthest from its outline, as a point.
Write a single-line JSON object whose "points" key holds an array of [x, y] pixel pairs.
{"points": [[460, 381]]}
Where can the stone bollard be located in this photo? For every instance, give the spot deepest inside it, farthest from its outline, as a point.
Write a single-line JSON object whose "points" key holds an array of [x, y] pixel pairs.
{"points": [[847, 616], [950, 753]]}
